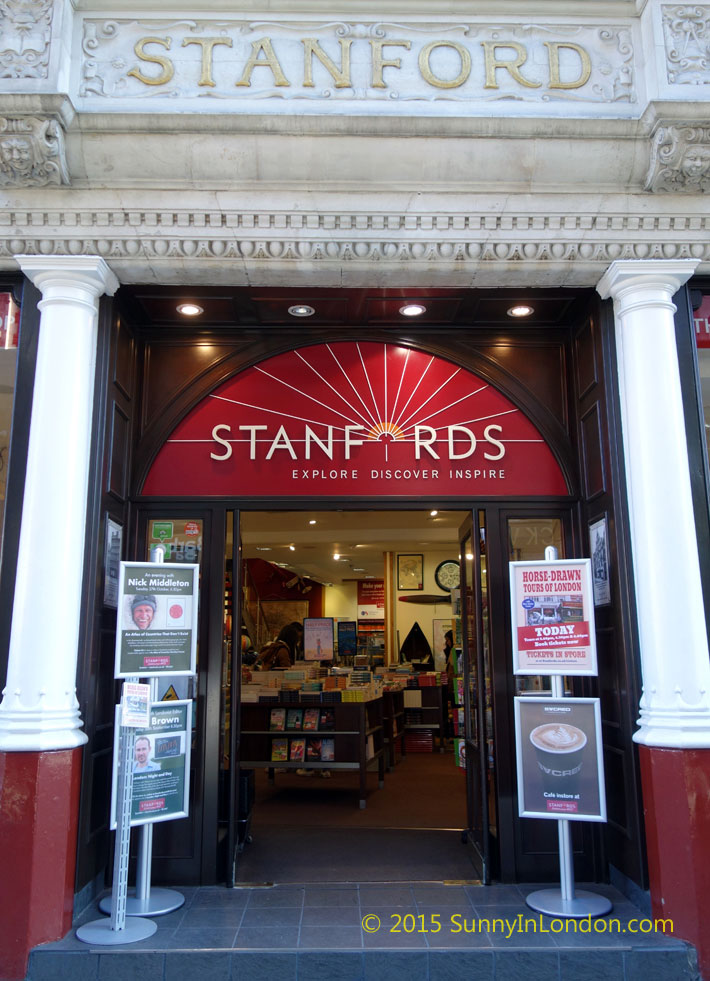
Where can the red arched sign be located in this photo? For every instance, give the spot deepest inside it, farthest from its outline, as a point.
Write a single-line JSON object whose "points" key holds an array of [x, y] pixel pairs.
{"points": [[355, 419]]}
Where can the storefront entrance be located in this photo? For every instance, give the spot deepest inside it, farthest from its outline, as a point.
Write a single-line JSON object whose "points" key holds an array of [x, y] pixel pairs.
{"points": [[428, 807]]}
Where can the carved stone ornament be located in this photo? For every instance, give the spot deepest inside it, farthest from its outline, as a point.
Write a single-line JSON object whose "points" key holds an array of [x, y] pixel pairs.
{"points": [[31, 152], [680, 160], [25, 31], [686, 29]]}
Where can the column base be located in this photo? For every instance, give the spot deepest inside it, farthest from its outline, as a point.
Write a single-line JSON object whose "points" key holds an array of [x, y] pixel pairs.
{"points": [[39, 801], [675, 796]]}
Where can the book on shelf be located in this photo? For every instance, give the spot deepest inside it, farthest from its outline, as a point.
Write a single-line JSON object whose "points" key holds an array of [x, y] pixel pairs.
{"points": [[314, 749], [279, 750], [294, 719], [277, 719], [297, 750], [327, 719], [311, 718], [327, 749]]}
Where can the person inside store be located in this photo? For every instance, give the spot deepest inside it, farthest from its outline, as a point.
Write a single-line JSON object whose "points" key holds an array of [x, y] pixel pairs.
{"points": [[143, 609], [282, 652], [142, 762], [450, 656]]}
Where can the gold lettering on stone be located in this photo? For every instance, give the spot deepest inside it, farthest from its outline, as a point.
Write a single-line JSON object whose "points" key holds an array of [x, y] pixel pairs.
{"points": [[553, 49], [379, 62], [513, 66], [431, 78], [167, 65], [207, 44], [341, 76], [265, 47]]}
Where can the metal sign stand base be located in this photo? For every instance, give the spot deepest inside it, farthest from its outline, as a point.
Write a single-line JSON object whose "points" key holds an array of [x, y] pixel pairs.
{"points": [[583, 903], [159, 902], [102, 934]]}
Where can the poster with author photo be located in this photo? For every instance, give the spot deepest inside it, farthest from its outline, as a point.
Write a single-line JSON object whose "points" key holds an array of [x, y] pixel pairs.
{"points": [[157, 619], [160, 763], [559, 758]]}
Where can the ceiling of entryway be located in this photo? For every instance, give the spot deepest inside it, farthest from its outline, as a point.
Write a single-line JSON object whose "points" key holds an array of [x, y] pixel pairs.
{"points": [[269, 307], [307, 541]]}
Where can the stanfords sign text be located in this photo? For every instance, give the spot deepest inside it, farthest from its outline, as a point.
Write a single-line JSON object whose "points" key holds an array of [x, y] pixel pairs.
{"points": [[352, 418], [234, 62]]}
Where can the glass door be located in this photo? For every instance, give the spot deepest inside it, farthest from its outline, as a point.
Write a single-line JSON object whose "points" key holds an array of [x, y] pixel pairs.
{"points": [[235, 803], [472, 634]]}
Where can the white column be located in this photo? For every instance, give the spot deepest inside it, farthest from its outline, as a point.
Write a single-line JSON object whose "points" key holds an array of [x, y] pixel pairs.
{"points": [[675, 705], [39, 710]]}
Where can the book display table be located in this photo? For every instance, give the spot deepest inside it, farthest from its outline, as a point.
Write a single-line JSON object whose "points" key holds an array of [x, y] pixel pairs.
{"points": [[393, 722], [288, 735]]}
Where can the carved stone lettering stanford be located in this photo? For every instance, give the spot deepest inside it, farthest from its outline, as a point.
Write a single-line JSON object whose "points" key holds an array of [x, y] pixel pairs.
{"points": [[237, 64]]}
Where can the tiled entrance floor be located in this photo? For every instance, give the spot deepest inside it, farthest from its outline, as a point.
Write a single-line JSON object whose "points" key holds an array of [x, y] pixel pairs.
{"points": [[315, 932]]}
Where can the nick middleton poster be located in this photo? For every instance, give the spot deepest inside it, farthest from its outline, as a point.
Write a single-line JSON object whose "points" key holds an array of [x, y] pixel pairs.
{"points": [[552, 617], [157, 619]]}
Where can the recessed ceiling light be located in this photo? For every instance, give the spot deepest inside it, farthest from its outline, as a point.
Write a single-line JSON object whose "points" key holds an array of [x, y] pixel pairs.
{"points": [[263, 548], [189, 309], [301, 310], [412, 310], [292, 548], [521, 310], [358, 570], [312, 521], [433, 513], [336, 556]]}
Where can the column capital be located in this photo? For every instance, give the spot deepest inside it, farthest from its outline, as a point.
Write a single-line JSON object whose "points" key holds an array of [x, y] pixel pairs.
{"points": [[653, 276], [59, 277]]}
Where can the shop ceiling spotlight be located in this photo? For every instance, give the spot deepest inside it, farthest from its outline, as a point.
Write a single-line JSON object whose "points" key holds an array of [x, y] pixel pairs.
{"points": [[521, 310], [189, 309], [301, 310], [412, 310]]}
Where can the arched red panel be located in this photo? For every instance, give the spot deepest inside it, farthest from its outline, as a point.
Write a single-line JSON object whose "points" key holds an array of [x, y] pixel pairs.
{"points": [[352, 419]]}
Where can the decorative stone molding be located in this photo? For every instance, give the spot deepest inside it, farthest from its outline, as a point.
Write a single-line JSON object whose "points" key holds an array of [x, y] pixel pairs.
{"points": [[433, 250], [166, 245], [32, 152], [680, 159], [25, 31], [686, 30]]}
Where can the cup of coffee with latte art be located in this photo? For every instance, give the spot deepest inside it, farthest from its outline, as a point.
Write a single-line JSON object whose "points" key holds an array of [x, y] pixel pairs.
{"points": [[559, 750]]}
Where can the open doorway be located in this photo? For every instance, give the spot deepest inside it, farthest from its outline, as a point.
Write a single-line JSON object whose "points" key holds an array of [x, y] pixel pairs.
{"points": [[383, 585]]}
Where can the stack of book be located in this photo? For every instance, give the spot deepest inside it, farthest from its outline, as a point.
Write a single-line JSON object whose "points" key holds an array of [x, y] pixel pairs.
{"points": [[419, 741]]}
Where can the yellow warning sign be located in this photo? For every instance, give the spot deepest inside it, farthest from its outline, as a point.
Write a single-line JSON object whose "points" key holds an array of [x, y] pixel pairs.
{"points": [[170, 695]]}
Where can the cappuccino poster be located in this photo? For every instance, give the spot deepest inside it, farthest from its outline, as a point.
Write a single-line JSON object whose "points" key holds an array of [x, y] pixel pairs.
{"points": [[552, 617], [559, 758], [157, 619]]}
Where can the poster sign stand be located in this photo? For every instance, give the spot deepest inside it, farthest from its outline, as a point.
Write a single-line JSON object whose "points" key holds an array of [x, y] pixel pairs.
{"points": [[158, 635], [565, 901], [146, 901], [116, 929]]}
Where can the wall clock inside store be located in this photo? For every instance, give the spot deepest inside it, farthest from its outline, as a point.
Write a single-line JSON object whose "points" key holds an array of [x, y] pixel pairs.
{"points": [[448, 574]]}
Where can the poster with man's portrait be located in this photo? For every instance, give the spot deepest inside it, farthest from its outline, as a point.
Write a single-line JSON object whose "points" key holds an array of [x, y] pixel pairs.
{"points": [[157, 619]]}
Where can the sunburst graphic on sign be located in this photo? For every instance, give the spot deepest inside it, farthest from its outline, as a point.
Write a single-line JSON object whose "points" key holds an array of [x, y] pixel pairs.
{"points": [[328, 418]]}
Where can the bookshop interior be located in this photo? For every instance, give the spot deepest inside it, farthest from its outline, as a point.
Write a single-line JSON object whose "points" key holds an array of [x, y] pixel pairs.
{"points": [[352, 751]]}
